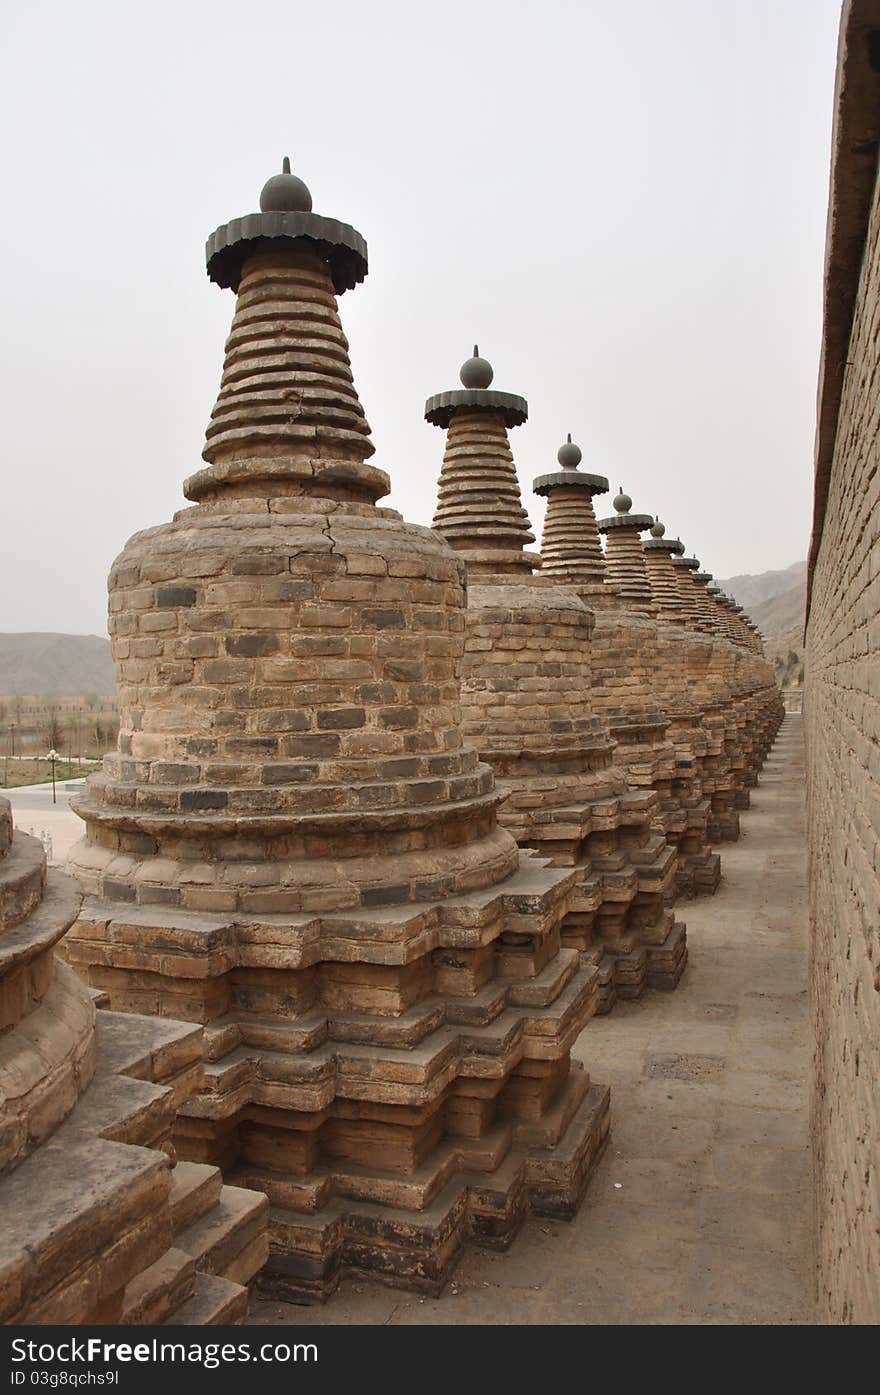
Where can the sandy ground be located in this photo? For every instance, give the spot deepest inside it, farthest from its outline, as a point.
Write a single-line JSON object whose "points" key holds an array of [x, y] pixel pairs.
{"points": [[700, 1211]]}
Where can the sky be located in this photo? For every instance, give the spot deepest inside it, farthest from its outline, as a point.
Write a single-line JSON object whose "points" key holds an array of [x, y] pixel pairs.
{"points": [[624, 205]]}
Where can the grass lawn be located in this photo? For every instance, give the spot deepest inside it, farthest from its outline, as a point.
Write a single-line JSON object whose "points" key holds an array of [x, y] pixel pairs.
{"points": [[14, 773]]}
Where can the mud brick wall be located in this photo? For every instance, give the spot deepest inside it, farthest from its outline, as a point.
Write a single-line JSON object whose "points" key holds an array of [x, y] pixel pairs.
{"points": [[842, 727]]}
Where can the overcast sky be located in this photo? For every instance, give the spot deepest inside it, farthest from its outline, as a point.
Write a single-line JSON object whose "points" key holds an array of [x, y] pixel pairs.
{"points": [[624, 204]]}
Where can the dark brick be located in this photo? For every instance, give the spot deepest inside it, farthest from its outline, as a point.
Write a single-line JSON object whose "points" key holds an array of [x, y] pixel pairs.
{"points": [[116, 890], [397, 718], [376, 692], [173, 773], [251, 646], [204, 799], [310, 645], [383, 618], [289, 774], [287, 720], [255, 565], [435, 889], [201, 746], [401, 769], [325, 744], [175, 596], [385, 895], [342, 718], [251, 746], [427, 792]]}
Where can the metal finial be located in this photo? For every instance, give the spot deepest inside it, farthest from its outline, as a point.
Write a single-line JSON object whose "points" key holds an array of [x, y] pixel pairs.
{"points": [[476, 372], [569, 455], [285, 193]]}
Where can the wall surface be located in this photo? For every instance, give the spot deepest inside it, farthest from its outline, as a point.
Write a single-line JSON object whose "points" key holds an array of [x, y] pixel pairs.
{"points": [[842, 728]]}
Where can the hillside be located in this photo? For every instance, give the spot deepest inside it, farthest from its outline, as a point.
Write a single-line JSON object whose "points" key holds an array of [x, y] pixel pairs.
{"points": [[781, 614], [777, 608], [752, 590], [55, 664]]}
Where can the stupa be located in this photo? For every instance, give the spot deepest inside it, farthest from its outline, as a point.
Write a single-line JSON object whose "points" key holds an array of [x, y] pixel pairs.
{"points": [[757, 691], [628, 666], [683, 660], [98, 1225], [295, 846], [527, 704], [744, 679], [712, 684]]}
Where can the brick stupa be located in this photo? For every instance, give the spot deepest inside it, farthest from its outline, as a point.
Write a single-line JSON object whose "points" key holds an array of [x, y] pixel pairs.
{"points": [[637, 680], [756, 692], [528, 707], [732, 705], [98, 1226], [295, 846], [736, 689]]}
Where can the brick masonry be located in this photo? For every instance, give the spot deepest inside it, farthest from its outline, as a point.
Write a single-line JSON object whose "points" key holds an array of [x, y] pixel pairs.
{"points": [[842, 714]]}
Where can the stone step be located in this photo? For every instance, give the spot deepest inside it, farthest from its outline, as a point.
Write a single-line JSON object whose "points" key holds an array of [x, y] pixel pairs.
{"points": [[43, 927], [22, 873], [195, 1189], [160, 1290], [214, 1303], [82, 1217], [229, 1236]]}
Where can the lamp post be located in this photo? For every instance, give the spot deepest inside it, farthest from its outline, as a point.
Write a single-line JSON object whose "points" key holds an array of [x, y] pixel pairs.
{"points": [[53, 756]]}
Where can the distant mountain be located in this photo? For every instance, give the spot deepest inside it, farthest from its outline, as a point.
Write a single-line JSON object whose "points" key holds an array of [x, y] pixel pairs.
{"points": [[776, 602], [783, 613], [751, 590], [33, 664]]}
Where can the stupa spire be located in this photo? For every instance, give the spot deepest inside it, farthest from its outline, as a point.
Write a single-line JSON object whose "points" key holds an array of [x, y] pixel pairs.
{"points": [[571, 552], [662, 577], [691, 613], [479, 504], [287, 417], [624, 557]]}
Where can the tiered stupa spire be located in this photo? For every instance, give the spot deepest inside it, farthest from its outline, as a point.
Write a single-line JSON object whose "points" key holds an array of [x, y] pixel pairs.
{"points": [[626, 572], [287, 417], [700, 580], [691, 613], [479, 505], [571, 552], [662, 576]]}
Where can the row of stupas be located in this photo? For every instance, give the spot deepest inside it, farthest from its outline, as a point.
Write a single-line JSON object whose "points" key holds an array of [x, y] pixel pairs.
{"points": [[395, 810]]}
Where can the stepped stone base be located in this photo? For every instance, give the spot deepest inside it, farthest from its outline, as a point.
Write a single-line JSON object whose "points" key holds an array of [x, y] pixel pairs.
{"points": [[699, 874], [395, 1080], [90, 1232], [418, 1250]]}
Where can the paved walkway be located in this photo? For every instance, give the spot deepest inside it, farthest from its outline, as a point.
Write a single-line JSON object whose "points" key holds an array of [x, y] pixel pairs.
{"points": [[34, 812], [700, 1209]]}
